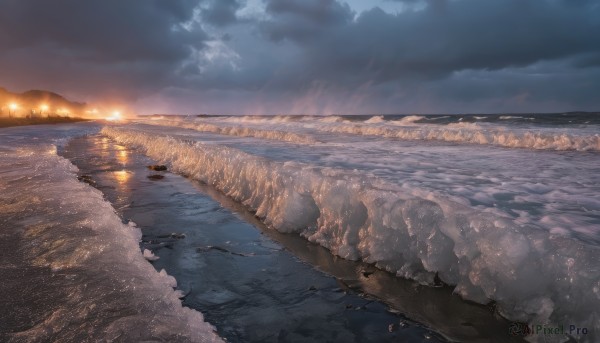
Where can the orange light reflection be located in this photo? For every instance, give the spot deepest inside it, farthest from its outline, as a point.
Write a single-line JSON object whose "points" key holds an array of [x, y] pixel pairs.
{"points": [[122, 176]]}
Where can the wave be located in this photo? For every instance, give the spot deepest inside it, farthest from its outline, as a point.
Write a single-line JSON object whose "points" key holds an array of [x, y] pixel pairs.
{"points": [[277, 119], [532, 275], [407, 121], [240, 131], [515, 117], [473, 133], [327, 119], [80, 266], [375, 120], [408, 128]]}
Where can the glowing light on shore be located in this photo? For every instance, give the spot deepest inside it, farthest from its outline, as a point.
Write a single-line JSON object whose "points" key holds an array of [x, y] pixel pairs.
{"points": [[12, 108], [44, 107], [116, 115], [63, 111]]}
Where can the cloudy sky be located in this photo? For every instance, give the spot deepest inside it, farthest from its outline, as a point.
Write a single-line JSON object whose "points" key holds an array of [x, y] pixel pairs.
{"points": [[307, 56]]}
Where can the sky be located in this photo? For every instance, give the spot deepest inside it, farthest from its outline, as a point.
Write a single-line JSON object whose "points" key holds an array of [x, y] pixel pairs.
{"points": [[307, 56]]}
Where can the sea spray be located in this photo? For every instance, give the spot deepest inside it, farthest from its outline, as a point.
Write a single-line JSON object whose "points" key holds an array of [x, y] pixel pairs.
{"points": [[532, 275]]}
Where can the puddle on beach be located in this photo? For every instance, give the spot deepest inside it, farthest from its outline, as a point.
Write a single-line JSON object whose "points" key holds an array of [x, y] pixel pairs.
{"points": [[257, 285]]}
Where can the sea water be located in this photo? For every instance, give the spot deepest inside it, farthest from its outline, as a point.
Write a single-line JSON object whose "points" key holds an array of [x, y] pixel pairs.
{"points": [[503, 209], [241, 275]]}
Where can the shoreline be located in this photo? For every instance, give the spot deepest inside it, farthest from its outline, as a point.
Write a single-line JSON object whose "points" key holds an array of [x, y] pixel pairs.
{"points": [[9, 122]]}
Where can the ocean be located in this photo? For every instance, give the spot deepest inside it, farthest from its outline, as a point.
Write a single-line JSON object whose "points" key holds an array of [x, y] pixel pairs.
{"points": [[476, 228]]}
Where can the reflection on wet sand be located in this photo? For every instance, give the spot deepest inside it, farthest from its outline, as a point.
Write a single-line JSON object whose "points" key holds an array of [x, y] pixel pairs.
{"points": [[122, 177], [122, 156]]}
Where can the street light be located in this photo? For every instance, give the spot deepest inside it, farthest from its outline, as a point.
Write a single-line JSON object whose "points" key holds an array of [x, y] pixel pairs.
{"points": [[43, 108], [12, 107]]}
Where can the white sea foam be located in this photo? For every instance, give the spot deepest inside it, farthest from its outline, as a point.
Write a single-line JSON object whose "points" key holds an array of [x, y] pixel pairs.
{"points": [[149, 255], [472, 133], [407, 121], [533, 275], [299, 129], [239, 131], [81, 275], [375, 120], [515, 117], [329, 119]]}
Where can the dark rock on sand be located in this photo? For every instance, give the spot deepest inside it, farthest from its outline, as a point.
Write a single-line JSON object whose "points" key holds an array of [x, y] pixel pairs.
{"points": [[157, 167], [173, 235], [87, 179], [156, 177]]}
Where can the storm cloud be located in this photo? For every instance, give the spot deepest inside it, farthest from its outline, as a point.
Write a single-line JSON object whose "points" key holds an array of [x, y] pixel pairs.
{"points": [[317, 56]]}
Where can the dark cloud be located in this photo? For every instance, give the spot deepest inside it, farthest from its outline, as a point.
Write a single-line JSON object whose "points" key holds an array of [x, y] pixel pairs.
{"points": [[307, 55], [306, 19], [467, 34], [221, 12], [95, 47], [109, 30]]}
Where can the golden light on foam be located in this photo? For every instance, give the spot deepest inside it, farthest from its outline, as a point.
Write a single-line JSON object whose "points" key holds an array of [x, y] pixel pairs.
{"points": [[123, 157]]}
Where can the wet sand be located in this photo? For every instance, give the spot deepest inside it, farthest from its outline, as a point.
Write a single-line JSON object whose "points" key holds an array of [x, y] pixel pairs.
{"points": [[7, 122]]}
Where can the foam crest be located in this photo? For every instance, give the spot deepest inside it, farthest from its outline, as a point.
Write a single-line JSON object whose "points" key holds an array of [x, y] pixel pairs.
{"points": [[408, 120], [375, 120], [258, 119], [330, 119], [239, 131], [473, 133], [533, 276]]}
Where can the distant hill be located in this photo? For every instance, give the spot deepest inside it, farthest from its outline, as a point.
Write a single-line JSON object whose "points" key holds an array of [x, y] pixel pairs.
{"points": [[38, 103]]}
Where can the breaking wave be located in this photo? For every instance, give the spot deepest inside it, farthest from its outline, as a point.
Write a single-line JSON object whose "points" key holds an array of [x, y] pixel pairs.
{"points": [[293, 128], [475, 134], [239, 131], [532, 275]]}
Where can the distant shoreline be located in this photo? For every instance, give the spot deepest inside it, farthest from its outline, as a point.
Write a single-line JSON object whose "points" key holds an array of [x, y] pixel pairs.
{"points": [[7, 122]]}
